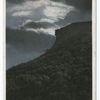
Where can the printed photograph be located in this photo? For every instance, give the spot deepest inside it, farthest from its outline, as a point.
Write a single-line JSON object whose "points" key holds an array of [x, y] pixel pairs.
{"points": [[49, 50]]}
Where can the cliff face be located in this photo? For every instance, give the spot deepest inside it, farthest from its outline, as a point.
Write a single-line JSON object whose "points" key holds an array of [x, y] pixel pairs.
{"points": [[63, 73]]}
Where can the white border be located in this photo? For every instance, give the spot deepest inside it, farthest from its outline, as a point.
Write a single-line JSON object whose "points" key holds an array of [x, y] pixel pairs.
{"points": [[98, 50], [94, 49], [2, 50]]}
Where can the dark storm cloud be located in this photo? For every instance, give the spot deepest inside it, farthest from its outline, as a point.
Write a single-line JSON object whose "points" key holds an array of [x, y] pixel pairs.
{"points": [[79, 4], [37, 25], [18, 1], [15, 1]]}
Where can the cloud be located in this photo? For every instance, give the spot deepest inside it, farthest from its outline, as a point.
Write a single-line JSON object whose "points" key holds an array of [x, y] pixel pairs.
{"points": [[57, 13], [22, 13], [18, 1], [36, 25], [36, 11], [51, 11], [46, 20], [79, 4], [82, 11], [50, 31], [75, 16], [15, 1], [41, 26]]}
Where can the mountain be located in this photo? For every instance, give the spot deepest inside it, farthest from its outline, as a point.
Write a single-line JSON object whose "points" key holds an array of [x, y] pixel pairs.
{"points": [[63, 73], [23, 46]]}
